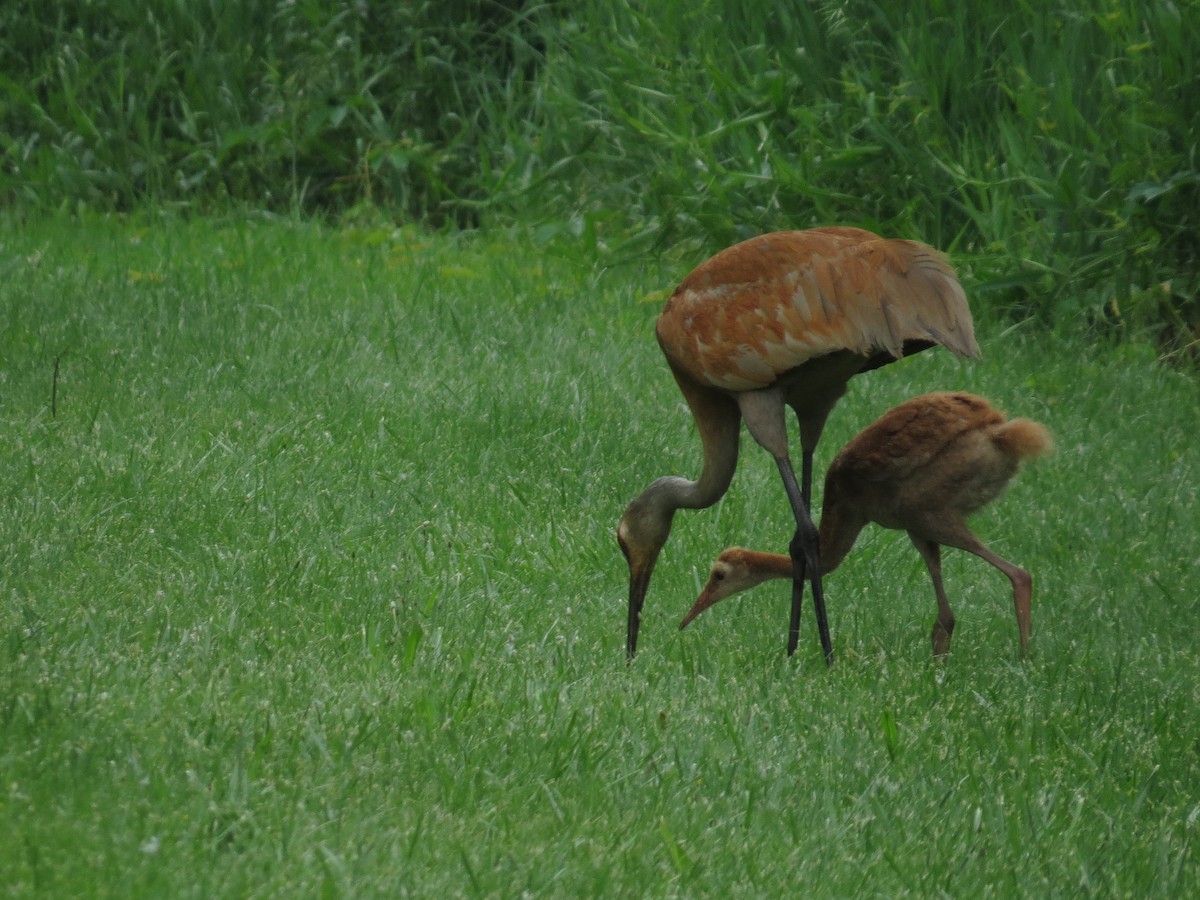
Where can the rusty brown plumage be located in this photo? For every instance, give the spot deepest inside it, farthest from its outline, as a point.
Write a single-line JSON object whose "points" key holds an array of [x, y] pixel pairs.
{"points": [[922, 467], [767, 306], [785, 320]]}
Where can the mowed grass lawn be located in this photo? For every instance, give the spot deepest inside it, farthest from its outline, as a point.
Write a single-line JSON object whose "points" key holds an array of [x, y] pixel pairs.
{"points": [[308, 585]]}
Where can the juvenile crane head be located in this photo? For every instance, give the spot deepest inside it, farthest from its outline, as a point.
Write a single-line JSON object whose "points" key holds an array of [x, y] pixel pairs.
{"points": [[734, 571]]}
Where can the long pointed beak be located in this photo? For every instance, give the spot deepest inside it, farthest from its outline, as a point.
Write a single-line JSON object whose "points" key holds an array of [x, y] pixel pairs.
{"points": [[639, 582], [706, 599]]}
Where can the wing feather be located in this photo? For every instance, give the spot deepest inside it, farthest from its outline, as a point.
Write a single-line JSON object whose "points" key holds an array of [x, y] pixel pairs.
{"points": [[768, 305]]}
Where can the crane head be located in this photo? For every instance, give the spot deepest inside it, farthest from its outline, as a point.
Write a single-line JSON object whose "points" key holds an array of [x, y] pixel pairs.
{"points": [[641, 534], [734, 571]]}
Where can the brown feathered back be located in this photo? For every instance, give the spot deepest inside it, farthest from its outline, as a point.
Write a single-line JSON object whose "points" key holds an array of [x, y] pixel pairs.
{"points": [[938, 456], [770, 304]]}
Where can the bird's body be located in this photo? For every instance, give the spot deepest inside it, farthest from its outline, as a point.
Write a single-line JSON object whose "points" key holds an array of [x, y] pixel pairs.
{"points": [[785, 320], [922, 467], [750, 316]]}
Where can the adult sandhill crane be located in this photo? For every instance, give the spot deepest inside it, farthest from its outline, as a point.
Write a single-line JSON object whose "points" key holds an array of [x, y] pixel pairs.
{"points": [[785, 319], [922, 467]]}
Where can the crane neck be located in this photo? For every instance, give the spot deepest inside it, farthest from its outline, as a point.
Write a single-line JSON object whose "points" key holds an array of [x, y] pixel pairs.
{"points": [[718, 421]]}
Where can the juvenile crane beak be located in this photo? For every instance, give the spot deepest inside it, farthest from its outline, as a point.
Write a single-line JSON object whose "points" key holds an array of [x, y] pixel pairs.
{"points": [[736, 570], [717, 588], [706, 599]]}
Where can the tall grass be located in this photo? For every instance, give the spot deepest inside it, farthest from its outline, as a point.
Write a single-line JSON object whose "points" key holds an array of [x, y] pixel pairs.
{"points": [[309, 586], [311, 105], [1028, 139], [1052, 147]]}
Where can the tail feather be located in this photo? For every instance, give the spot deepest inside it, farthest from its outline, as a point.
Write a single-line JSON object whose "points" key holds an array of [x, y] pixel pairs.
{"points": [[1023, 439]]}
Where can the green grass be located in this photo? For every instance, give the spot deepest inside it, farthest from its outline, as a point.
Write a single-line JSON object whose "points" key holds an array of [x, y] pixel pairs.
{"points": [[308, 586]]}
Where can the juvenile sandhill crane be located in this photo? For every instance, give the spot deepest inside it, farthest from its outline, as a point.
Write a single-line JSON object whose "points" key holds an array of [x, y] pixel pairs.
{"points": [[922, 467], [785, 319]]}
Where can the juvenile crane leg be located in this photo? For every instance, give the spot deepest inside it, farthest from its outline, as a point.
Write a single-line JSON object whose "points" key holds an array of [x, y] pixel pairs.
{"points": [[957, 534], [1022, 584], [943, 626]]}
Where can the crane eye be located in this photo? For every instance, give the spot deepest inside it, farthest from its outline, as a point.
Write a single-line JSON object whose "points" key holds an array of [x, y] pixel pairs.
{"points": [[718, 575]]}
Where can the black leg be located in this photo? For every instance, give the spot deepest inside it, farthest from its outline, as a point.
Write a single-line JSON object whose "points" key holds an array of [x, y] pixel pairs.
{"points": [[805, 555], [798, 574], [806, 470]]}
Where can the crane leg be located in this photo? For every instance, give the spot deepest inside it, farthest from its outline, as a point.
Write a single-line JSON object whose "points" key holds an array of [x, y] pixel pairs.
{"points": [[943, 627], [806, 472], [957, 534], [762, 412], [806, 564]]}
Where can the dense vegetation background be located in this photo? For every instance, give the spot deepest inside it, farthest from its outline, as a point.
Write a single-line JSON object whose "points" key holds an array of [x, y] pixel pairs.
{"points": [[1050, 146]]}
